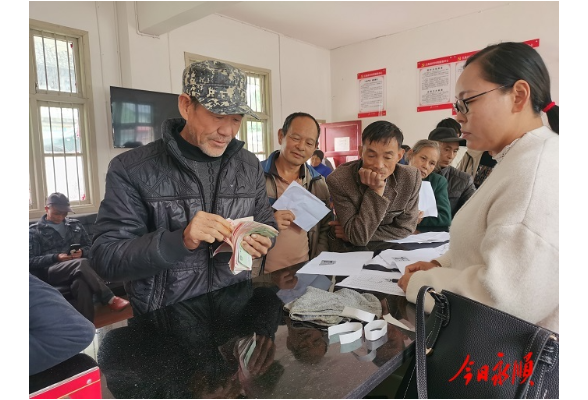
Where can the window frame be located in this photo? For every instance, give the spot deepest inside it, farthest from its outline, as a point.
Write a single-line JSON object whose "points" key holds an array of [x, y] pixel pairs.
{"points": [[82, 100], [265, 117]]}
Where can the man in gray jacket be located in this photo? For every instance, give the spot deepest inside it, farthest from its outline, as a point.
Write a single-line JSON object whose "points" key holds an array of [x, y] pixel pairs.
{"points": [[166, 204], [374, 198]]}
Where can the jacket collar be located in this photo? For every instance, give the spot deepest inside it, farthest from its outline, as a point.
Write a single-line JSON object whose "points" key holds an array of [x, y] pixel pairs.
{"points": [[269, 167], [43, 221]]}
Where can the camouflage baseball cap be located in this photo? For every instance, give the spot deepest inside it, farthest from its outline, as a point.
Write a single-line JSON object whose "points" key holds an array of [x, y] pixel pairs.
{"points": [[219, 87]]}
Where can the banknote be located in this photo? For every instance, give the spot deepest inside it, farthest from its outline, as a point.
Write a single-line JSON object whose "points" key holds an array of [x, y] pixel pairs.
{"points": [[245, 349], [241, 260]]}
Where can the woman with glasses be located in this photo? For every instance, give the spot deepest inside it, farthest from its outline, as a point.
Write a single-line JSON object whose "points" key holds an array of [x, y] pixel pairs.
{"points": [[504, 247]]}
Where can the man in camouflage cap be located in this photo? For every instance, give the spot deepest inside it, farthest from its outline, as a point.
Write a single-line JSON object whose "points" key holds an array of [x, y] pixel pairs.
{"points": [[219, 87], [166, 204]]}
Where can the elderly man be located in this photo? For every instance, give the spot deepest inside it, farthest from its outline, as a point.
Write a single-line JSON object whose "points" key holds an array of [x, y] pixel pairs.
{"points": [[460, 185], [298, 139], [167, 204]]}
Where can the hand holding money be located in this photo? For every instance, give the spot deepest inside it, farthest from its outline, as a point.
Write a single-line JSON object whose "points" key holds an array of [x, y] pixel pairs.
{"points": [[256, 354], [249, 239], [256, 245], [206, 227]]}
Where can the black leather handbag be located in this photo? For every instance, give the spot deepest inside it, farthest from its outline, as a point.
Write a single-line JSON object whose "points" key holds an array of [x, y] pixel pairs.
{"points": [[470, 350]]}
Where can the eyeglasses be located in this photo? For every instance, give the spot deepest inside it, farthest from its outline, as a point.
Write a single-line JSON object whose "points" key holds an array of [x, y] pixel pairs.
{"points": [[461, 105]]}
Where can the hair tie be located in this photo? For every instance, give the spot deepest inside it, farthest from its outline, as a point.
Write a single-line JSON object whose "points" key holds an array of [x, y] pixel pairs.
{"points": [[548, 107]]}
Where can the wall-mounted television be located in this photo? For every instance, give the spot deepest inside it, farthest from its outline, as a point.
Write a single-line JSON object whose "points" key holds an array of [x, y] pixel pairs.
{"points": [[137, 115]]}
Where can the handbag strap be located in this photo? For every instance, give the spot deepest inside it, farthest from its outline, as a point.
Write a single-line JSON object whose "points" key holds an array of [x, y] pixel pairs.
{"points": [[543, 345], [544, 348], [420, 350]]}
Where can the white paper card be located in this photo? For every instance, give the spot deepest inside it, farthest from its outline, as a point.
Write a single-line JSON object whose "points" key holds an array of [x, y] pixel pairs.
{"points": [[355, 330], [375, 329], [355, 313], [427, 202], [391, 320], [306, 207]]}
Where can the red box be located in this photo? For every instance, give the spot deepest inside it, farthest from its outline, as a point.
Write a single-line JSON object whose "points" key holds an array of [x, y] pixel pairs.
{"points": [[85, 385]]}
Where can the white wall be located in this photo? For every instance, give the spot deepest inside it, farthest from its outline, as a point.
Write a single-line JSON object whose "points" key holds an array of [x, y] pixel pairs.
{"points": [[304, 77], [121, 56], [399, 54]]}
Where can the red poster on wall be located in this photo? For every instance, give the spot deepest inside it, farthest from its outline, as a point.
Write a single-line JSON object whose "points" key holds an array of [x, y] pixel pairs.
{"points": [[372, 93], [437, 79]]}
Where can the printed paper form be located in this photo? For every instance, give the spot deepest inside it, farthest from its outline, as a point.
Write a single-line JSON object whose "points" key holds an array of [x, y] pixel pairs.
{"points": [[396, 260], [342, 264], [381, 273], [427, 237], [378, 282]]}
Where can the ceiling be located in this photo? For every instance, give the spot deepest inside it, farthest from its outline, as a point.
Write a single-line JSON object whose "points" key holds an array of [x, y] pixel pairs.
{"points": [[326, 24], [333, 24]]}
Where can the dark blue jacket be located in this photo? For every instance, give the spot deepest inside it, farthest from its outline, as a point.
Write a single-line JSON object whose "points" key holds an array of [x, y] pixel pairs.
{"points": [[57, 331], [323, 170]]}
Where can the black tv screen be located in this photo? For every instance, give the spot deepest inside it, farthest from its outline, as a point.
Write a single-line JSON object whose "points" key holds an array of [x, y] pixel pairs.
{"points": [[137, 115]]}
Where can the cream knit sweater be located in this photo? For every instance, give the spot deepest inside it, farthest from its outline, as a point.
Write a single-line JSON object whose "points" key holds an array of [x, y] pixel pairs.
{"points": [[504, 247]]}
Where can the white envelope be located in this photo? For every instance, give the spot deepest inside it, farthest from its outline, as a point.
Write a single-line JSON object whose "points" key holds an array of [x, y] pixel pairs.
{"points": [[307, 208]]}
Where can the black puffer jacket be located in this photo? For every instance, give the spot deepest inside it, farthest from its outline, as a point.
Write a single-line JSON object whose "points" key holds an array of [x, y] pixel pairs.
{"points": [[151, 195]]}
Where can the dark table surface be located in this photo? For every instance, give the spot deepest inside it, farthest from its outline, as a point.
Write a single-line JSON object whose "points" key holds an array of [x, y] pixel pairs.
{"points": [[187, 349]]}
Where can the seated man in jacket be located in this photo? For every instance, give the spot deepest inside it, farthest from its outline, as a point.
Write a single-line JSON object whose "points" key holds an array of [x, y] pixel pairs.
{"points": [[374, 198], [52, 260], [298, 139], [166, 204], [460, 185], [477, 163]]}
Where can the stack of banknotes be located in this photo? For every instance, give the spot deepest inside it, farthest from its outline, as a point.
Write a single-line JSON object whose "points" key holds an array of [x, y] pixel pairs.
{"points": [[241, 260]]}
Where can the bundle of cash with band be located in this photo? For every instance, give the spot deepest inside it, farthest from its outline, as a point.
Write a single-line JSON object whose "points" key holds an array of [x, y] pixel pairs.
{"points": [[241, 260], [245, 349]]}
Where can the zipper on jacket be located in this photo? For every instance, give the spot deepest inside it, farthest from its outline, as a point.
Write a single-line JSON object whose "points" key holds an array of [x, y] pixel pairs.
{"points": [[213, 210], [210, 267]]}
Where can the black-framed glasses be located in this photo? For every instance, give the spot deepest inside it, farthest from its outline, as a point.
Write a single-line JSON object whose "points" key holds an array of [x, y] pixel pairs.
{"points": [[461, 105]]}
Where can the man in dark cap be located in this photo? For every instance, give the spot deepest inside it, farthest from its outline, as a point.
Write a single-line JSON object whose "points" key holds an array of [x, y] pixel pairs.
{"points": [[167, 204], [52, 259], [460, 185], [477, 163]]}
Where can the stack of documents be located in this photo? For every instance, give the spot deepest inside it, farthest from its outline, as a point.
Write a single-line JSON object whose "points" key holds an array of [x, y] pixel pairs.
{"points": [[382, 272]]}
